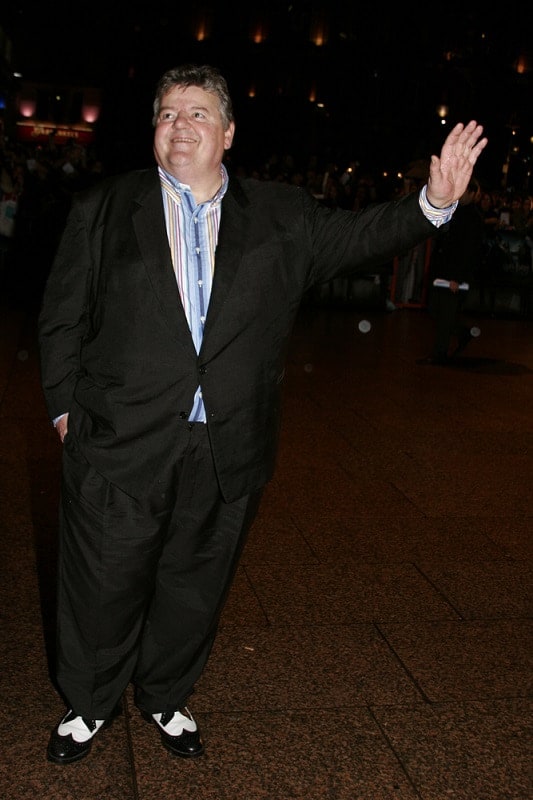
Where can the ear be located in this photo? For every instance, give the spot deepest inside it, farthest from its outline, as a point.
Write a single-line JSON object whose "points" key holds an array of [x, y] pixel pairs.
{"points": [[228, 135]]}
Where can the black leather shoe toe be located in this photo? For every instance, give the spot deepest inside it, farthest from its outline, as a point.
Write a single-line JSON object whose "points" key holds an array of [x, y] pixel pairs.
{"points": [[188, 744], [64, 749]]}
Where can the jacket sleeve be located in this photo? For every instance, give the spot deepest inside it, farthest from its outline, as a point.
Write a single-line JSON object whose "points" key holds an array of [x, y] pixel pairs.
{"points": [[346, 242], [64, 316]]}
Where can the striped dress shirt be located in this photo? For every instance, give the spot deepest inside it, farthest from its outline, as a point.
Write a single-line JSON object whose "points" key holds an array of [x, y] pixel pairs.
{"points": [[192, 234]]}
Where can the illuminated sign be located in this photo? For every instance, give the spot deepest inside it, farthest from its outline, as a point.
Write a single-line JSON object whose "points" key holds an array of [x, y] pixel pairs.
{"points": [[43, 131]]}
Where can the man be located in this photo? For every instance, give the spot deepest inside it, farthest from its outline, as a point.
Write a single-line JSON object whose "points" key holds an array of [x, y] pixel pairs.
{"points": [[455, 259], [163, 332]]}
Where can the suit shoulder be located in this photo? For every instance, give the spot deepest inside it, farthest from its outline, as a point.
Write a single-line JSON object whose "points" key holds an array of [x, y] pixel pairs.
{"points": [[122, 183], [253, 190]]}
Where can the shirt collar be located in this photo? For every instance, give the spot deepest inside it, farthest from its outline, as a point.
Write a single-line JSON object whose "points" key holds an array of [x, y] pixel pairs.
{"points": [[182, 188]]}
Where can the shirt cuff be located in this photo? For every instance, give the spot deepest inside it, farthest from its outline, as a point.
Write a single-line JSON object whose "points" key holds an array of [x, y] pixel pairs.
{"points": [[56, 419], [437, 216]]}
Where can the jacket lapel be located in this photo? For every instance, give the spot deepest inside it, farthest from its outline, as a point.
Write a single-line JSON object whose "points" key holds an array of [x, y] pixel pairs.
{"points": [[229, 251], [149, 224]]}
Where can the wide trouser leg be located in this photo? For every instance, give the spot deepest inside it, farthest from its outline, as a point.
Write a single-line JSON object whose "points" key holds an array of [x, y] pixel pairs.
{"points": [[195, 571], [460, 330], [142, 583], [443, 308], [108, 554]]}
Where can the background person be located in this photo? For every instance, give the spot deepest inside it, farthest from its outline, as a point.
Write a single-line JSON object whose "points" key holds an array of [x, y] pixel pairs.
{"points": [[455, 259]]}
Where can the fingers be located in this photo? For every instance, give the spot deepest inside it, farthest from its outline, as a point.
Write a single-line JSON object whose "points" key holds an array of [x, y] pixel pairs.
{"points": [[465, 135], [480, 146], [470, 138], [465, 142]]}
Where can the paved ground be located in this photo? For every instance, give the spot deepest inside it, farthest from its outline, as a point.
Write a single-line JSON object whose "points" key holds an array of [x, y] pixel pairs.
{"points": [[377, 642]]}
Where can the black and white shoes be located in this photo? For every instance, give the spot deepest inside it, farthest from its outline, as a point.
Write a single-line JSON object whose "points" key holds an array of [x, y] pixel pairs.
{"points": [[179, 732], [72, 739]]}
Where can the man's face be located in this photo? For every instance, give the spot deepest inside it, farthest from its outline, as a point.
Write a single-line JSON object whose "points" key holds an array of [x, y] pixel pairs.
{"points": [[189, 138]]}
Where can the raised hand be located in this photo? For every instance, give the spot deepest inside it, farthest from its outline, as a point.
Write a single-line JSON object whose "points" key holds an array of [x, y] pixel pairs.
{"points": [[450, 173]]}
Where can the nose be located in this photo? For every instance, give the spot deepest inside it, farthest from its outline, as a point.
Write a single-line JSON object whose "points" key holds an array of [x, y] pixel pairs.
{"points": [[180, 118]]}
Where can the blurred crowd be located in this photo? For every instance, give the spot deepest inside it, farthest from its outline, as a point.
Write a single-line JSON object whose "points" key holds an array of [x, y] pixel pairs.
{"points": [[36, 186]]}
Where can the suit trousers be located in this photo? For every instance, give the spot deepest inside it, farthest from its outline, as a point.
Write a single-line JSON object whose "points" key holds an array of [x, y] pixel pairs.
{"points": [[142, 581], [445, 307]]}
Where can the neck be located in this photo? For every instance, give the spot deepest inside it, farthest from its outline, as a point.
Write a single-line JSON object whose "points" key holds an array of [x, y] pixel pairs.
{"points": [[203, 192], [203, 187]]}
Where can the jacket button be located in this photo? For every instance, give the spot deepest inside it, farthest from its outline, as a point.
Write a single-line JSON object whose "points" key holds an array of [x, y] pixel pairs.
{"points": [[183, 415], [202, 370]]}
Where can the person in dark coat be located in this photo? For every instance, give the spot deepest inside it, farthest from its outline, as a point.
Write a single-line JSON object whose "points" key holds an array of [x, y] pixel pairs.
{"points": [[455, 259], [163, 333]]}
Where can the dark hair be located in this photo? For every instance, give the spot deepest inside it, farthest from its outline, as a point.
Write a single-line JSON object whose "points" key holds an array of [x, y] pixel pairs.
{"points": [[206, 77]]}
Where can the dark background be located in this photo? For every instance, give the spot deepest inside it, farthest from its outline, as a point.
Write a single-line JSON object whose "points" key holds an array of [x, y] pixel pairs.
{"points": [[380, 75]]}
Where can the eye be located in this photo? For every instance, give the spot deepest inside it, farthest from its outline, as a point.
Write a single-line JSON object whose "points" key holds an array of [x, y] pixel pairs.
{"points": [[167, 116], [198, 115]]}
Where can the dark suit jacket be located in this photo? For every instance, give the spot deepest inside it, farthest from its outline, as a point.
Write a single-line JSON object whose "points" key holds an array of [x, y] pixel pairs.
{"points": [[115, 347]]}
